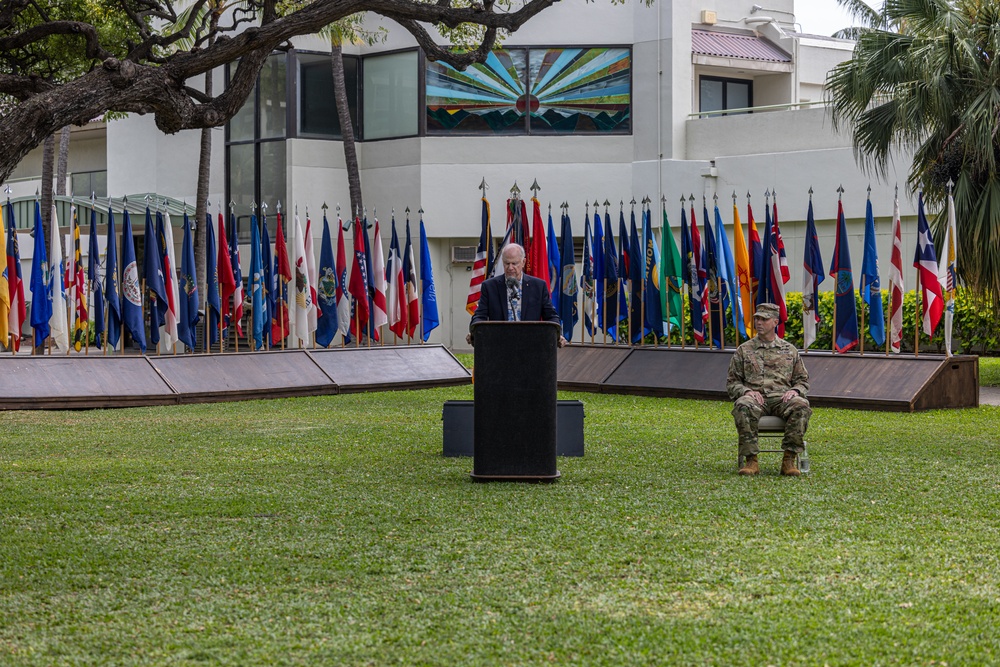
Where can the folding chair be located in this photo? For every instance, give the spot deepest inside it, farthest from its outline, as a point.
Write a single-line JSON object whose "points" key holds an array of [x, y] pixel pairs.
{"points": [[774, 427]]}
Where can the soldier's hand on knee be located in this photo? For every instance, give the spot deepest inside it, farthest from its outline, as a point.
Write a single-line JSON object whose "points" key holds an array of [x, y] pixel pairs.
{"points": [[756, 397], [789, 395]]}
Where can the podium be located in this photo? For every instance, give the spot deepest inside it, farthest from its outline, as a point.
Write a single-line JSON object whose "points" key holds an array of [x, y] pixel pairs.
{"points": [[515, 401]]}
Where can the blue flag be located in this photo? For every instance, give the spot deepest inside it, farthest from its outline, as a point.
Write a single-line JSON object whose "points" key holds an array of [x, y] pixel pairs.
{"points": [[871, 290], [111, 291], [609, 267], [93, 276], [567, 281], [153, 270], [267, 264], [845, 309], [428, 295], [131, 290], [726, 271], [812, 275], [41, 295], [212, 282], [554, 261], [587, 279], [326, 290], [653, 320], [187, 323], [599, 269], [636, 268], [258, 300], [624, 269]]}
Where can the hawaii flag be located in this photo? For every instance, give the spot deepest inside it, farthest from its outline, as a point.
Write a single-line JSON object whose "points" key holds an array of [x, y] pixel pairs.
{"points": [[896, 282], [925, 261]]}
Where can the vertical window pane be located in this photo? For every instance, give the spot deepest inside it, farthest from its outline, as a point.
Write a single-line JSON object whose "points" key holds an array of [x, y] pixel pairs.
{"points": [[272, 180], [241, 125], [317, 105], [273, 98], [737, 95], [579, 90], [390, 89], [487, 98], [241, 184], [711, 95]]}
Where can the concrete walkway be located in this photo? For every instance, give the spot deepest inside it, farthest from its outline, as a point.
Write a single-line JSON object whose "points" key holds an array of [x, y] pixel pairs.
{"points": [[989, 396]]}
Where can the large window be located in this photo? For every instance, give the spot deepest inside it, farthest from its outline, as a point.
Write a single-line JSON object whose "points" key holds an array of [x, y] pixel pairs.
{"points": [[87, 183], [391, 96], [718, 94], [255, 146], [536, 91], [316, 101]]}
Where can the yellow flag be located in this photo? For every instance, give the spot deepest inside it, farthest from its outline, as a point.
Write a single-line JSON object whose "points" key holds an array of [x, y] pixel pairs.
{"points": [[743, 271]]}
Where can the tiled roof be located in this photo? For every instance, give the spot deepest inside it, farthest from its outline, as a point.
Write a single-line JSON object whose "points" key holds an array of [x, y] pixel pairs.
{"points": [[729, 45]]}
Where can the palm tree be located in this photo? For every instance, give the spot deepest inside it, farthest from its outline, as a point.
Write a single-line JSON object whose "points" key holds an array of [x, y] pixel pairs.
{"points": [[925, 79], [348, 29]]}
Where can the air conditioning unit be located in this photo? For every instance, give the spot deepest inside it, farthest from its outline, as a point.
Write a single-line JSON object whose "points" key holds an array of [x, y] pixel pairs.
{"points": [[709, 17], [463, 254]]}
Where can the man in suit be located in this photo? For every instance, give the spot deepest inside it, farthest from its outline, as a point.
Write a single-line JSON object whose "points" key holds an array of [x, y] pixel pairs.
{"points": [[514, 296]]}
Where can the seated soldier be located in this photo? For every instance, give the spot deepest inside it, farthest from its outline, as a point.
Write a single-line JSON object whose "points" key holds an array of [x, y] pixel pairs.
{"points": [[767, 377]]}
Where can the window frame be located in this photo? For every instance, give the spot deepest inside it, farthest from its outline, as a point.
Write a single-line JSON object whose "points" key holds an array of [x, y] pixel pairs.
{"points": [[725, 81]]}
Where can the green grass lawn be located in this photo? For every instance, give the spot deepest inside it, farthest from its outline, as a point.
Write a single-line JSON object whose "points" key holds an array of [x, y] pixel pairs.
{"points": [[331, 531], [989, 371]]}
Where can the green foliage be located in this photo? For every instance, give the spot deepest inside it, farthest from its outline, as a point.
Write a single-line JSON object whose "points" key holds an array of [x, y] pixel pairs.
{"points": [[976, 330], [331, 531], [923, 79]]}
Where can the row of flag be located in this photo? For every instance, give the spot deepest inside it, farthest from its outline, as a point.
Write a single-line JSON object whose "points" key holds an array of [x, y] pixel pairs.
{"points": [[285, 290], [630, 290]]}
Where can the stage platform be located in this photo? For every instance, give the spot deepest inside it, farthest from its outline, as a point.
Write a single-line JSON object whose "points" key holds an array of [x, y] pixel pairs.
{"points": [[79, 381], [899, 383]]}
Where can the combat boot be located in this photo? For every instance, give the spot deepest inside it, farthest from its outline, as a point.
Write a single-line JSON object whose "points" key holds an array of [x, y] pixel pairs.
{"points": [[788, 465], [750, 466]]}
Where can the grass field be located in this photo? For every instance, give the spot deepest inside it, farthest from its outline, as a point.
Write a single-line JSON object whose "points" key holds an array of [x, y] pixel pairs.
{"points": [[989, 371], [331, 531]]}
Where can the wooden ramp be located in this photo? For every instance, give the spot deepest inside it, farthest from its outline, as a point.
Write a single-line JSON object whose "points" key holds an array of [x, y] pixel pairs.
{"points": [[96, 381], [901, 383]]}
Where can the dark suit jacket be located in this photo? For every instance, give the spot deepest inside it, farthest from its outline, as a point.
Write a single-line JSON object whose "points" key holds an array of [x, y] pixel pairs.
{"points": [[536, 305]]}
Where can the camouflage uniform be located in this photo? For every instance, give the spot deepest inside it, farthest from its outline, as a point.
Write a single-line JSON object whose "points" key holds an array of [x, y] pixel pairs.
{"points": [[771, 369]]}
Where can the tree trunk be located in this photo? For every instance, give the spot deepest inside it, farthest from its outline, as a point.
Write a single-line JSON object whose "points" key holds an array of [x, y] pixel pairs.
{"points": [[45, 190], [204, 172], [63, 162], [346, 130]]}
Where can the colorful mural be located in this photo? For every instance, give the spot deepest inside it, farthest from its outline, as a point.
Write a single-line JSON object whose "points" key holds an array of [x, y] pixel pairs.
{"points": [[533, 90]]}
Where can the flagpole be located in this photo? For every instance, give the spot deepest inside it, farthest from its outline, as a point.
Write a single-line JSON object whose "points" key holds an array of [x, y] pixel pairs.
{"points": [[663, 214]]}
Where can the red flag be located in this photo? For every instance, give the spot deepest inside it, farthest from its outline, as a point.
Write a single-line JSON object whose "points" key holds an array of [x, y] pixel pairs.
{"points": [[698, 258], [925, 261], [397, 287], [227, 281], [358, 286], [279, 319], [378, 268], [539, 252]]}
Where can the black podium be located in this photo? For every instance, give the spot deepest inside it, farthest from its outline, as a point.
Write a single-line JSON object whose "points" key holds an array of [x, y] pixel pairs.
{"points": [[515, 401]]}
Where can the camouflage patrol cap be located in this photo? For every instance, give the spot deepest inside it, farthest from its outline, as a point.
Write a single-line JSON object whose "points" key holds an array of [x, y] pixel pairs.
{"points": [[768, 311]]}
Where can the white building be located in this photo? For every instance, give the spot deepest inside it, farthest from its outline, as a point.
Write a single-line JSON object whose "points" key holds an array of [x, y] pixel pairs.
{"points": [[679, 98]]}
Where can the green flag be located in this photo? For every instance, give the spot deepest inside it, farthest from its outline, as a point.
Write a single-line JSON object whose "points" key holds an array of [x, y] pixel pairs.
{"points": [[670, 274]]}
